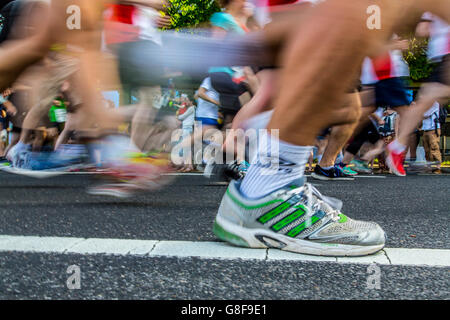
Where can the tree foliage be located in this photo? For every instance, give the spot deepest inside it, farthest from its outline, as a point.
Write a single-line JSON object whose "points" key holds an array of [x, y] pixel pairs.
{"points": [[191, 13], [417, 59]]}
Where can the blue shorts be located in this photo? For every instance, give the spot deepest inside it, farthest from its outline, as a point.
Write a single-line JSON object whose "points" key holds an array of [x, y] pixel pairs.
{"points": [[208, 121], [392, 93]]}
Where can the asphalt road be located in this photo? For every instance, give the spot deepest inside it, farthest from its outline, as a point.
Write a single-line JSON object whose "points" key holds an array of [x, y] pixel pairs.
{"points": [[414, 211]]}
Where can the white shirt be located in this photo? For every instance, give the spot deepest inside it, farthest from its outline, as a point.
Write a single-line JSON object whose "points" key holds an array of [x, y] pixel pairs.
{"points": [[145, 20], [206, 109], [439, 43], [431, 115], [141, 17], [396, 67], [389, 120]]}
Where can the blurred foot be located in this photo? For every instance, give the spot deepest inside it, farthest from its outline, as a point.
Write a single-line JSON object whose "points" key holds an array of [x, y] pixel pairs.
{"points": [[361, 166], [395, 161], [333, 174]]}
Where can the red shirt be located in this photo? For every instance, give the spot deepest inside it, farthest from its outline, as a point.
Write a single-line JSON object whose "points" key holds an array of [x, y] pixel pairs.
{"points": [[119, 26]]}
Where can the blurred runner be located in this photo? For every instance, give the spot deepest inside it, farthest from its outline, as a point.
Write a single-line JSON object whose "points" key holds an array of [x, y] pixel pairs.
{"points": [[273, 206], [437, 87]]}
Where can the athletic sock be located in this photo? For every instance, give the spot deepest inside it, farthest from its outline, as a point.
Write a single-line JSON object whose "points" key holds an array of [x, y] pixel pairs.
{"points": [[286, 167], [397, 147], [327, 168]]}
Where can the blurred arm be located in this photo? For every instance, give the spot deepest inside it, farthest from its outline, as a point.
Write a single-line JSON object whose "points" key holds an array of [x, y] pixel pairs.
{"points": [[423, 29], [202, 94]]}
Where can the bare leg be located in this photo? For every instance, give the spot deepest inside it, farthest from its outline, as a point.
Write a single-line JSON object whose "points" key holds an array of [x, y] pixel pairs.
{"points": [[373, 153], [340, 134], [412, 145], [327, 69], [414, 115], [325, 59], [144, 117], [18, 55]]}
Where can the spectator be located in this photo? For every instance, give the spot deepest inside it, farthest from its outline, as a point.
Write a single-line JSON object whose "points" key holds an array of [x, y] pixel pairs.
{"points": [[233, 19], [7, 109], [431, 134], [186, 114], [388, 131]]}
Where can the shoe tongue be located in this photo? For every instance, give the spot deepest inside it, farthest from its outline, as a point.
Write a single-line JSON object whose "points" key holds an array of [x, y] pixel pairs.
{"points": [[333, 202]]}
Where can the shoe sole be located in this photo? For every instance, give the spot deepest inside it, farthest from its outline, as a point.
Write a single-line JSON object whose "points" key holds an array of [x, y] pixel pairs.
{"points": [[263, 239], [323, 178], [39, 174], [364, 172], [111, 193], [133, 189]]}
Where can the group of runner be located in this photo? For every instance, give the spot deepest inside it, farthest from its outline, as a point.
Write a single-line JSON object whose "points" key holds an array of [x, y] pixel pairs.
{"points": [[304, 63]]}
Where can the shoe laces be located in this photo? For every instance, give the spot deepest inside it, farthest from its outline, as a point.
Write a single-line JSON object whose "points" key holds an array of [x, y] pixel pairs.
{"points": [[339, 170], [315, 201], [235, 171]]}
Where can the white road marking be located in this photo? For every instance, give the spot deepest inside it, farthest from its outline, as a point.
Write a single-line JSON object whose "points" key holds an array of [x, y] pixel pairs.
{"points": [[206, 249], [430, 256], [210, 250], [371, 177]]}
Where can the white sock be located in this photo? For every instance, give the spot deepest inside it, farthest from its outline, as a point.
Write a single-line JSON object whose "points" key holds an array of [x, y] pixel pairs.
{"points": [[397, 147], [260, 121], [327, 168], [262, 179]]}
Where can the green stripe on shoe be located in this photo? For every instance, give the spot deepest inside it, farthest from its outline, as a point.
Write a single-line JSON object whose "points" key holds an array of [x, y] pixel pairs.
{"points": [[251, 207], [274, 212], [289, 219], [298, 229]]}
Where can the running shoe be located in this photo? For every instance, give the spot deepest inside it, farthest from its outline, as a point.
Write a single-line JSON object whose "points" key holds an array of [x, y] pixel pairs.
{"points": [[347, 170], [47, 163], [4, 162], [361, 166], [335, 173], [223, 172], [295, 218], [17, 154], [137, 174], [66, 158], [394, 161], [416, 167]]}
